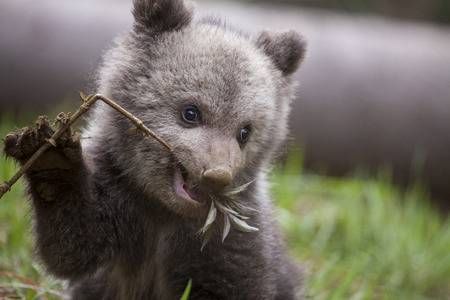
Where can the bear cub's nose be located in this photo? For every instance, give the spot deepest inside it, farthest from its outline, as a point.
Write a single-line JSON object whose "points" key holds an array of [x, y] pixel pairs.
{"points": [[217, 178]]}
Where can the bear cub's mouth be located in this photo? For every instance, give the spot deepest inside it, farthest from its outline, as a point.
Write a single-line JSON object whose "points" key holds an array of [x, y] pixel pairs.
{"points": [[184, 187]]}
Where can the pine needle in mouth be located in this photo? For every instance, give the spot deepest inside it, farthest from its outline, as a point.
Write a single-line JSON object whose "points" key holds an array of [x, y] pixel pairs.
{"points": [[233, 214]]}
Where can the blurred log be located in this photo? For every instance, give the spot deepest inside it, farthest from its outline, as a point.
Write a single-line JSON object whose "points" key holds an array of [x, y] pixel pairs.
{"points": [[50, 48], [373, 92]]}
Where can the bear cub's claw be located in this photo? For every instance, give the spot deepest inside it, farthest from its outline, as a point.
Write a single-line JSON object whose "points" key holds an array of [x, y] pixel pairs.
{"points": [[23, 143]]}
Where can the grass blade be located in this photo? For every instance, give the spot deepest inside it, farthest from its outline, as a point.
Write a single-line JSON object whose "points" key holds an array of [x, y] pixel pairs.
{"points": [[212, 214], [226, 227], [242, 225], [187, 291], [238, 189]]}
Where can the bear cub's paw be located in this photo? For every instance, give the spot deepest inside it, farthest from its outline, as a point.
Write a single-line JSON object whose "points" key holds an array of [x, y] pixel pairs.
{"points": [[23, 143]]}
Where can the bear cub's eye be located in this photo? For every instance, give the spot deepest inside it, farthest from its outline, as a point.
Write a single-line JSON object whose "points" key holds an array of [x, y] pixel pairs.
{"points": [[191, 114], [244, 134]]}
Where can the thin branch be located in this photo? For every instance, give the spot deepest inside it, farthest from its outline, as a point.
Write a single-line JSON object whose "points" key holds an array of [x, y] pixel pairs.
{"points": [[88, 101], [38, 289], [139, 124], [22, 279]]}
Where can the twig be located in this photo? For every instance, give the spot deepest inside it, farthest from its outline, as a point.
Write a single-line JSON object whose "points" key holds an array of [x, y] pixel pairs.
{"points": [[40, 290], [88, 101], [17, 277], [139, 124]]}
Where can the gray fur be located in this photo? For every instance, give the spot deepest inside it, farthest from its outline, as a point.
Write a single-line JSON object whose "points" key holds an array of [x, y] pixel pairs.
{"points": [[111, 223], [287, 49], [159, 16]]}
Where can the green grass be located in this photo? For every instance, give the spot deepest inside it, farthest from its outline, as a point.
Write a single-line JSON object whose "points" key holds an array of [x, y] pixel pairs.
{"points": [[363, 238], [358, 238]]}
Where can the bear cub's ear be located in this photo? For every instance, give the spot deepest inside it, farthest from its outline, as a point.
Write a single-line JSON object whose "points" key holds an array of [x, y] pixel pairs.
{"points": [[285, 49], [161, 15]]}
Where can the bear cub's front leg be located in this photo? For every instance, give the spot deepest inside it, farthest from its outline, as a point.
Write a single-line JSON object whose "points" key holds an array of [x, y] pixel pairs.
{"points": [[59, 164], [74, 229]]}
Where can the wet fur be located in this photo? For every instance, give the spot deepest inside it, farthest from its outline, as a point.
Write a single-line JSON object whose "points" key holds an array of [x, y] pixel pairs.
{"points": [[110, 223]]}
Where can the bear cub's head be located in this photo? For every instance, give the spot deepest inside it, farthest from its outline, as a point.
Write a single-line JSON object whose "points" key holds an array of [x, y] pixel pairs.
{"points": [[219, 97]]}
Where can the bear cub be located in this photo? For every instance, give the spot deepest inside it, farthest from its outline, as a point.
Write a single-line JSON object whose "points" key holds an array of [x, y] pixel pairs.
{"points": [[119, 216]]}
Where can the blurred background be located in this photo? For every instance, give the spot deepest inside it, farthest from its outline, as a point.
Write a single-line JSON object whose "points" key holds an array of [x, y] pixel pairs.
{"points": [[374, 91], [371, 118]]}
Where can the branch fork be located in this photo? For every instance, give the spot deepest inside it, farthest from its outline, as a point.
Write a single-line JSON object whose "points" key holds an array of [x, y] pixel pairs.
{"points": [[66, 121]]}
